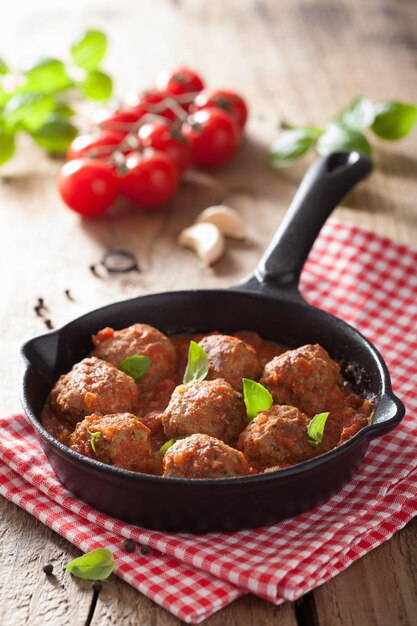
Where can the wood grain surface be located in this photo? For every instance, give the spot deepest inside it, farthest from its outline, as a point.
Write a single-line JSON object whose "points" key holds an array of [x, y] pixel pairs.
{"points": [[298, 60]]}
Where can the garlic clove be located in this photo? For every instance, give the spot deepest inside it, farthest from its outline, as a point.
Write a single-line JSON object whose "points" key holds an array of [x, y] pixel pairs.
{"points": [[227, 220], [206, 240]]}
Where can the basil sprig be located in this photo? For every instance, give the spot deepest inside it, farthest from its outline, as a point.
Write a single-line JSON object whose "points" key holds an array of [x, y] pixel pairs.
{"points": [[95, 565], [257, 398], [197, 364], [389, 120], [33, 100], [315, 429], [292, 144], [394, 120], [136, 366]]}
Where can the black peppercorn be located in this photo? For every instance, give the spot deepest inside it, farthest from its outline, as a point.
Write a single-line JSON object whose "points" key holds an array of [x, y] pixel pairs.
{"points": [[48, 569], [129, 545]]}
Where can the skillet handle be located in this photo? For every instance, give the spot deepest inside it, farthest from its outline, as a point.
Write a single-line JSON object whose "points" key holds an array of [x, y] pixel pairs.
{"points": [[327, 181], [388, 415]]}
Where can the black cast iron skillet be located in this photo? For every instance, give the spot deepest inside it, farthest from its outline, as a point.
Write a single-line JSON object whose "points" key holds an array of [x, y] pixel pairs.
{"points": [[268, 302]]}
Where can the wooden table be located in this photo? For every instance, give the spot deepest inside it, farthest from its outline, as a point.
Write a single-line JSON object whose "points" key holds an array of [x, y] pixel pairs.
{"points": [[293, 59]]}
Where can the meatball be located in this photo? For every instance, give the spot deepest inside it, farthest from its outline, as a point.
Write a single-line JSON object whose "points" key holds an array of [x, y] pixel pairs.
{"points": [[230, 358], [276, 438], [140, 339], [201, 456], [306, 378], [120, 439], [92, 386], [211, 407]]}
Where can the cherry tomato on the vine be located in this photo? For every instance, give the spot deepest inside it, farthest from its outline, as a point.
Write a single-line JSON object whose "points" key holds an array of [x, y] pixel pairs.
{"points": [[168, 139], [88, 186], [97, 145], [214, 135], [121, 121], [222, 99], [151, 103], [180, 81], [151, 179]]}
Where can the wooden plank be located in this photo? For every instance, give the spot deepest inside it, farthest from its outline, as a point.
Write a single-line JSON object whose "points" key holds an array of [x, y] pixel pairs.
{"points": [[377, 590], [27, 595], [297, 60]]}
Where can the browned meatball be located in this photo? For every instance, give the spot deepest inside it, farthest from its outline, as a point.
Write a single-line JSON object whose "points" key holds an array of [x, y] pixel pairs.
{"points": [[122, 440], [230, 358], [306, 378], [276, 438], [201, 456], [92, 386], [211, 407], [140, 339]]}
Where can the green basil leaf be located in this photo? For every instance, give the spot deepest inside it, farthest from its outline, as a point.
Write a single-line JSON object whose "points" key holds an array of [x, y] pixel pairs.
{"points": [[7, 146], [4, 97], [315, 429], [47, 75], [56, 134], [29, 109], [339, 137], [291, 144], [3, 67], [88, 51], [256, 397], [95, 565], [96, 85], [136, 366], [197, 364], [169, 443], [63, 109], [359, 114], [394, 120]]}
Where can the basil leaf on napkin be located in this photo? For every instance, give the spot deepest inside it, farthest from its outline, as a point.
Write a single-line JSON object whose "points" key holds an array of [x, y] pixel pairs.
{"points": [[95, 565]]}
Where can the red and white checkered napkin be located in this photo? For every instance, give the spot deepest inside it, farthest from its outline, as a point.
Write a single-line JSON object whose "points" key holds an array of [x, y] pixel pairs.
{"points": [[372, 283]]}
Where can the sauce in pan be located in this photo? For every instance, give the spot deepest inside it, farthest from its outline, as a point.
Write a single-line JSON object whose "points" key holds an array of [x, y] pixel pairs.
{"points": [[102, 412]]}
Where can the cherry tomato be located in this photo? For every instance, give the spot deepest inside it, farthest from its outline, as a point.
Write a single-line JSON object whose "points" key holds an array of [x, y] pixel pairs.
{"points": [[180, 81], [121, 121], [222, 99], [167, 139], [88, 186], [148, 104], [96, 145], [214, 135], [151, 179]]}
